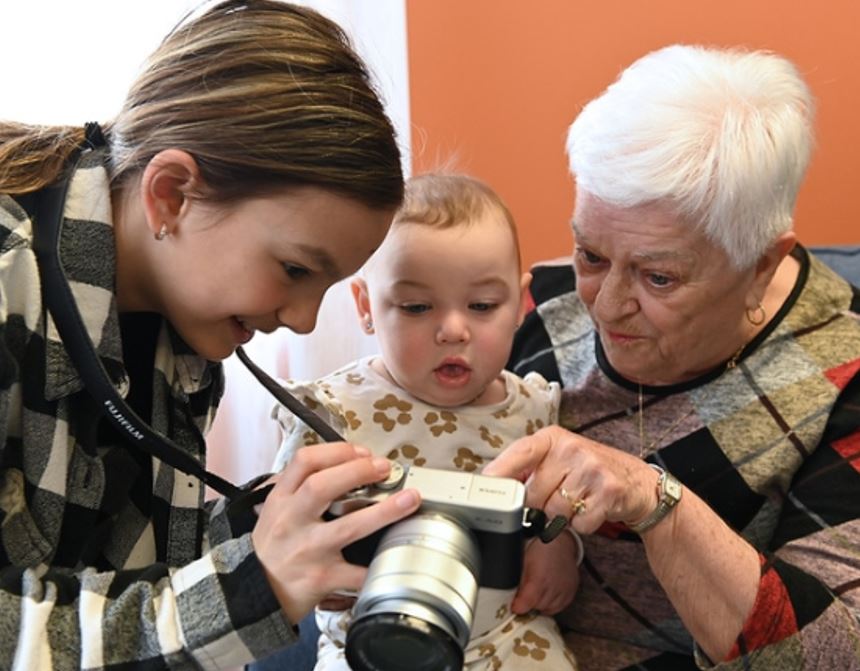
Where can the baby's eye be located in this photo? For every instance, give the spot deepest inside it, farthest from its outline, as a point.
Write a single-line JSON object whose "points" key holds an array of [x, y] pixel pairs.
{"points": [[295, 272], [414, 308], [481, 307]]}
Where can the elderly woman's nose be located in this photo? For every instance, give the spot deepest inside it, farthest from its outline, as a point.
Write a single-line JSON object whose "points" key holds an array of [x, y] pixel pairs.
{"points": [[452, 328], [614, 299]]}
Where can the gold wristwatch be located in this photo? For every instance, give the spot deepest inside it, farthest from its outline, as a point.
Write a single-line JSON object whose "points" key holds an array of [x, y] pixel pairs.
{"points": [[669, 491]]}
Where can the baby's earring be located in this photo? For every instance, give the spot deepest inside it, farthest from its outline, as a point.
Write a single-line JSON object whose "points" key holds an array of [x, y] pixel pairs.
{"points": [[162, 233], [368, 325]]}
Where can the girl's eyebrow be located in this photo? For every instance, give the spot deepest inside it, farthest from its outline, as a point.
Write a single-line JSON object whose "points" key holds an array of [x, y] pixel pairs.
{"points": [[321, 258]]}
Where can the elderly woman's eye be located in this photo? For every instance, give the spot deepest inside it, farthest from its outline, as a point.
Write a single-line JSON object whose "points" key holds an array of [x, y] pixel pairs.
{"points": [[590, 258], [659, 280]]}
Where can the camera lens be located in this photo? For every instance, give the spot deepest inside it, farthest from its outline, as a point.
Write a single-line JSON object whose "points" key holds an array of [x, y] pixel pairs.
{"points": [[390, 642], [416, 607]]}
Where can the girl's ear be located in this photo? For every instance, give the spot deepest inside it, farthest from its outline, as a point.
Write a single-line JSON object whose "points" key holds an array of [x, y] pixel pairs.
{"points": [[362, 303], [525, 297], [167, 180]]}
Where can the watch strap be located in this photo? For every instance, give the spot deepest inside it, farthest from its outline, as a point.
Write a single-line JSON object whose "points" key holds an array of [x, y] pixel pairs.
{"points": [[669, 491]]}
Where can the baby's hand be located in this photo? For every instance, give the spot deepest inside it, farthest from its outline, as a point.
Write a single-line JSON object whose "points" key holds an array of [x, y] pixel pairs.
{"points": [[336, 601], [550, 576]]}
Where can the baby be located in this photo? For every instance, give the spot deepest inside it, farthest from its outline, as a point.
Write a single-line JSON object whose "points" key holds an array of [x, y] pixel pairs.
{"points": [[444, 294]]}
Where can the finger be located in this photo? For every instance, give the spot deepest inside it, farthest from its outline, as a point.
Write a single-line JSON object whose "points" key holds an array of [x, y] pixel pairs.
{"points": [[522, 456], [314, 495], [314, 458], [361, 523]]}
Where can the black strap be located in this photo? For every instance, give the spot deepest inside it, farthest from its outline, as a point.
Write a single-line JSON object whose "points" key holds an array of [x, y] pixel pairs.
{"points": [[295, 406], [58, 297]]}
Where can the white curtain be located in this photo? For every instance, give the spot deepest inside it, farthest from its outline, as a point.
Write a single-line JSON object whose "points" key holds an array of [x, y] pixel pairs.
{"points": [[71, 62]]}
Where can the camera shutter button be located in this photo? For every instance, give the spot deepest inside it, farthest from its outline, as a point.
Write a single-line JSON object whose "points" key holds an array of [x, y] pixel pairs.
{"points": [[395, 475]]}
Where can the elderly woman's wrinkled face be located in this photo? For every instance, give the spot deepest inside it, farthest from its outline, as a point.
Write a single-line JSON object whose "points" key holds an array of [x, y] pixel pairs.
{"points": [[666, 301]]}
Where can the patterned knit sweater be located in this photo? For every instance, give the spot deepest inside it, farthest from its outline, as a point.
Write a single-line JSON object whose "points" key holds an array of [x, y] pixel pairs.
{"points": [[772, 445]]}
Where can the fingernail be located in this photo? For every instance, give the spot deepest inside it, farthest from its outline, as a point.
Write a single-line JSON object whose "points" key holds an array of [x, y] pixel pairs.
{"points": [[408, 498], [382, 465], [361, 451]]}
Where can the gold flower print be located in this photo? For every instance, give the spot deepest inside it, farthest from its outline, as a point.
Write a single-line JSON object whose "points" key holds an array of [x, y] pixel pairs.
{"points": [[533, 425], [491, 439], [386, 403], [466, 460], [486, 650], [441, 422], [352, 419], [310, 402], [531, 645], [354, 378], [501, 413], [407, 452], [310, 438], [524, 391]]}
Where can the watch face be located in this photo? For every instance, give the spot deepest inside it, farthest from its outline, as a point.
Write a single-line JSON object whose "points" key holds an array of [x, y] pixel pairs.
{"points": [[673, 488]]}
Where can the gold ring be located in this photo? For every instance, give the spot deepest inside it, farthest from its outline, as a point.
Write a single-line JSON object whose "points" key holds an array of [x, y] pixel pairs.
{"points": [[576, 505]]}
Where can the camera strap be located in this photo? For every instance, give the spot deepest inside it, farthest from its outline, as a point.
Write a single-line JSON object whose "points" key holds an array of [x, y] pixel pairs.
{"points": [[47, 214], [46, 209]]}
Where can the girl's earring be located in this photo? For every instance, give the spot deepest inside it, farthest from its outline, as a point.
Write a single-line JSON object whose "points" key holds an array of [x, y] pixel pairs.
{"points": [[162, 233], [368, 326]]}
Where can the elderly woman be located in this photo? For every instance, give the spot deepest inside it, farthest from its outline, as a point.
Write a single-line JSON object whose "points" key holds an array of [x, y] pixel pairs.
{"points": [[710, 373]]}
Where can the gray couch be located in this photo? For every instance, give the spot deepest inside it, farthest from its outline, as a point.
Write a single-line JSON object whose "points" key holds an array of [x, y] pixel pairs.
{"points": [[844, 259]]}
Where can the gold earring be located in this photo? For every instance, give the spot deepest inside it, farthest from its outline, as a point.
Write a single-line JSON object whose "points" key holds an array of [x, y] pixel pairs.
{"points": [[161, 233], [758, 316]]}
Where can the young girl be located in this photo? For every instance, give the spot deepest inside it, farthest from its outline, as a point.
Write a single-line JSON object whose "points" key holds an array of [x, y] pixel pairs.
{"points": [[250, 167], [444, 295]]}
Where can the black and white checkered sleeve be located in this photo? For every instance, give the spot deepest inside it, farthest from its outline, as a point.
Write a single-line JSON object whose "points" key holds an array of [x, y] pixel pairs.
{"points": [[217, 612]]}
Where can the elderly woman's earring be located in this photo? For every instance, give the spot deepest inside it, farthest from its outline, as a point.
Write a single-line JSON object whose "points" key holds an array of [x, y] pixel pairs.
{"points": [[162, 233], [758, 316]]}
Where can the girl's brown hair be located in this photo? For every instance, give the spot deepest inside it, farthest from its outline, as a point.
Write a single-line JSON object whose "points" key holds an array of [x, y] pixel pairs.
{"points": [[263, 94]]}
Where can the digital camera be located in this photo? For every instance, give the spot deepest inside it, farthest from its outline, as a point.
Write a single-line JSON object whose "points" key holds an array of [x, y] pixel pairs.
{"points": [[416, 607]]}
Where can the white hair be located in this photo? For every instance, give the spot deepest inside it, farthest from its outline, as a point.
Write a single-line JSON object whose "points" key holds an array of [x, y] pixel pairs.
{"points": [[723, 135]]}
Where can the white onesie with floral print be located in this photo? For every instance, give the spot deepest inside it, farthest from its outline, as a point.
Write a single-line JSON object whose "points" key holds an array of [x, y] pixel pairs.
{"points": [[367, 409]]}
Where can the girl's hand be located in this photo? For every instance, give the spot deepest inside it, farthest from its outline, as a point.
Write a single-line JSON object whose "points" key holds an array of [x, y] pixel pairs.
{"points": [[300, 552]]}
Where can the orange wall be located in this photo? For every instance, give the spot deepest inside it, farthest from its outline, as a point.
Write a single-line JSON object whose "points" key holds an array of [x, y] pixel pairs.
{"points": [[495, 83]]}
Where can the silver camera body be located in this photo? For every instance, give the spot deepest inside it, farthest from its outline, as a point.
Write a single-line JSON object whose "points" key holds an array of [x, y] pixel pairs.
{"points": [[416, 607]]}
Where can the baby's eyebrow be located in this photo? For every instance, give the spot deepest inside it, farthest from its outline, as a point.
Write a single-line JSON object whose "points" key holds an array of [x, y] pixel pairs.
{"points": [[489, 282]]}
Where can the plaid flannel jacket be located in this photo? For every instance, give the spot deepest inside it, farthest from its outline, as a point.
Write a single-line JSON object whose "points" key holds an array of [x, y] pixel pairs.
{"points": [[109, 559], [772, 445]]}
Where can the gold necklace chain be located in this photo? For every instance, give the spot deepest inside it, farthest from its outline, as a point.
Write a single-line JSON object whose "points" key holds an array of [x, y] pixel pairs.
{"points": [[644, 449]]}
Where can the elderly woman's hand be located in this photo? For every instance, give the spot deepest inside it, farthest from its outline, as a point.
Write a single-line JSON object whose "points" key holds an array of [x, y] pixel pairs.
{"points": [[579, 478], [300, 553]]}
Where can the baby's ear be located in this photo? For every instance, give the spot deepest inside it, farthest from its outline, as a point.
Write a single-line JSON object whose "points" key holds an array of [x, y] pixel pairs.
{"points": [[362, 303]]}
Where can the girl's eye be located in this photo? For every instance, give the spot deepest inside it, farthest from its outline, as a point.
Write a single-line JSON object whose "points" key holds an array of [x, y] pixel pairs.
{"points": [[415, 308], [295, 272], [481, 307]]}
